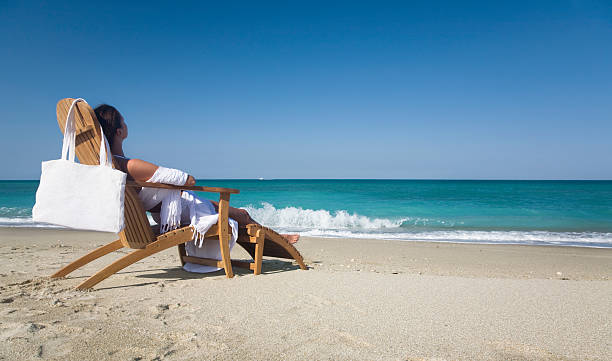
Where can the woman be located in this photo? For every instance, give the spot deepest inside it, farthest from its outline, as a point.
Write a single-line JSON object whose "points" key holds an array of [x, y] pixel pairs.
{"points": [[116, 132]]}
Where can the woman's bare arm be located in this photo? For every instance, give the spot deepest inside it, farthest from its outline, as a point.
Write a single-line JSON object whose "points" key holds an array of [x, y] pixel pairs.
{"points": [[142, 170]]}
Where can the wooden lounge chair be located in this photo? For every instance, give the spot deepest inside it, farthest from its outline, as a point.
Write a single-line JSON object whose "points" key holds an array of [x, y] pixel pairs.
{"points": [[140, 236]]}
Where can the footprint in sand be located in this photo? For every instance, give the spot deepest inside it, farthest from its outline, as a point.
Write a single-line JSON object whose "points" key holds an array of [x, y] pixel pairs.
{"points": [[34, 327], [158, 311]]}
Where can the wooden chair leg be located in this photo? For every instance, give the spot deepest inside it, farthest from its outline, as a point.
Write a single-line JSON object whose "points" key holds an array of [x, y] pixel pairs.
{"points": [[277, 240], [182, 253], [91, 256], [163, 242], [259, 247], [225, 254], [224, 234]]}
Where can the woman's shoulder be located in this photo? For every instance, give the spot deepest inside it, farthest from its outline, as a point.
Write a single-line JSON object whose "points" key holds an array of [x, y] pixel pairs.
{"points": [[121, 162]]}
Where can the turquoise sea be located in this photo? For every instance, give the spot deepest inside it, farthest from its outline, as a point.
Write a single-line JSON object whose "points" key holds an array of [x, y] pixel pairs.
{"points": [[573, 213]]}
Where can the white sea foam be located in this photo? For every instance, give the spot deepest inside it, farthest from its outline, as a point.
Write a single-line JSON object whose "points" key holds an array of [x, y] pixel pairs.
{"points": [[29, 222], [24, 222], [342, 224], [151, 220], [299, 218], [584, 239], [15, 212]]}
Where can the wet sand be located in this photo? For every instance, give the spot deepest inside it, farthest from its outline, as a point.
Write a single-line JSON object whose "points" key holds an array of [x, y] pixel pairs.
{"points": [[360, 300]]}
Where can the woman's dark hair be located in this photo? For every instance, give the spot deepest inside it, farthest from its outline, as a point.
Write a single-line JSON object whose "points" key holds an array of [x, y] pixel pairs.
{"points": [[110, 120]]}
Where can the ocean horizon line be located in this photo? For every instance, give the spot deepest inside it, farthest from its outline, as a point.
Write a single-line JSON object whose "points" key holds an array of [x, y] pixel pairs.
{"points": [[382, 179]]}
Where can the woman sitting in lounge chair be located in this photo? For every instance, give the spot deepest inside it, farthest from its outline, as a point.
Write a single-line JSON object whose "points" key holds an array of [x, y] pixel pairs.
{"points": [[116, 132]]}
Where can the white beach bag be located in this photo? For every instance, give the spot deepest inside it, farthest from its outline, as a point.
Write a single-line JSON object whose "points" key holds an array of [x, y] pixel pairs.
{"points": [[78, 195]]}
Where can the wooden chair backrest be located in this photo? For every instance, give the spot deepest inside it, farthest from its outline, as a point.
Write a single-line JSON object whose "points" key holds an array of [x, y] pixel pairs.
{"points": [[137, 232]]}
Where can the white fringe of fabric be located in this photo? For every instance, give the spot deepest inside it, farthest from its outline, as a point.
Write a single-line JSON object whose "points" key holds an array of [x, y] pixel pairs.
{"points": [[170, 199], [203, 216], [200, 228]]}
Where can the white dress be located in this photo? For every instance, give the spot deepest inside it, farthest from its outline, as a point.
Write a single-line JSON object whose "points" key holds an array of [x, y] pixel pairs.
{"points": [[201, 212]]}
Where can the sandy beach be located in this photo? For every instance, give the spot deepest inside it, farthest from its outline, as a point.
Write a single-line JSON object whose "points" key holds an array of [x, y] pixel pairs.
{"points": [[360, 300]]}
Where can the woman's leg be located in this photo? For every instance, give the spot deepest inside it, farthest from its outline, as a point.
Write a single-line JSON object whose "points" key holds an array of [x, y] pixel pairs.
{"points": [[243, 218], [239, 215]]}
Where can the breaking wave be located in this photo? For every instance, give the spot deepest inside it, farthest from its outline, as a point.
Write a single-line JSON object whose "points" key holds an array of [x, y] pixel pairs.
{"points": [[306, 219], [342, 224]]}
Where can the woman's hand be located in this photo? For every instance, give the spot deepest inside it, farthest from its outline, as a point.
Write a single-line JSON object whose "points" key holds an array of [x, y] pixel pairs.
{"points": [[190, 181]]}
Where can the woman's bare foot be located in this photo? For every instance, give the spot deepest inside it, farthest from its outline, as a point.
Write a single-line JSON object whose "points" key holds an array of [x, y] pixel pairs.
{"points": [[291, 238]]}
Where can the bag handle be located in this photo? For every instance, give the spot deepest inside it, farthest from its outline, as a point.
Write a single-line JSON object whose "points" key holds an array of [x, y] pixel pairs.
{"points": [[69, 134], [69, 144], [106, 157]]}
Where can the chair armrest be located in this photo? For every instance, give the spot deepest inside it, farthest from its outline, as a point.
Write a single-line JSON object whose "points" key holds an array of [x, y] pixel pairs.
{"points": [[188, 188]]}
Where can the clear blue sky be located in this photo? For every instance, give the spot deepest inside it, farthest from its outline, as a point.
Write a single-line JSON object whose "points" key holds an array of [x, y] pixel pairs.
{"points": [[486, 89]]}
